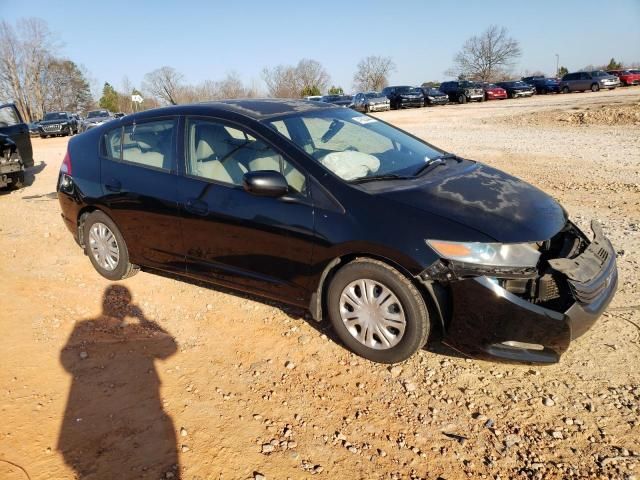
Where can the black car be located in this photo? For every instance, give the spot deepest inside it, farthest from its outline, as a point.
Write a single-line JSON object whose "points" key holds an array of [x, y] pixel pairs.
{"points": [[517, 88], [340, 100], [542, 84], [343, 214], [12, 125], [55, 124], [462, 91], [403, 96], [433, 96]]}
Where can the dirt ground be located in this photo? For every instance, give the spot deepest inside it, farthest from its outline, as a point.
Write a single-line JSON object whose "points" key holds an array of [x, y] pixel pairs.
{"points": [[158, 378]]}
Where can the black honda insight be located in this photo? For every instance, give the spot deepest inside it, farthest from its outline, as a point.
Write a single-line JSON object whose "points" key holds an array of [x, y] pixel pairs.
{"points": [[318, 206]]}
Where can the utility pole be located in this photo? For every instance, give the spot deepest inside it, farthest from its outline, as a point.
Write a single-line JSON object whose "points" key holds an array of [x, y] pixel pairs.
{"points": [[557, 64]]}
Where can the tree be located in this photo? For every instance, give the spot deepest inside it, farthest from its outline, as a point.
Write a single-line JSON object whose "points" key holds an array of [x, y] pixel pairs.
{"points": [[336, 90], [372, 73], [164, 83], [430, 84], [311, 91], [562, 71], [65, 87], [613, 65], [24, 55], [109, 99], [285, 81], [487, 56]]}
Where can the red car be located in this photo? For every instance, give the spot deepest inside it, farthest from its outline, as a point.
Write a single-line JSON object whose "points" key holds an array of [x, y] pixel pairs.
{"points": [[494, 92], [627, 77]]}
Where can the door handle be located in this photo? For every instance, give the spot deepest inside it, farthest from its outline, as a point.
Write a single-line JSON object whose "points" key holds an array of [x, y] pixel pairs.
{"points": [[196, 206], [113, 185]]}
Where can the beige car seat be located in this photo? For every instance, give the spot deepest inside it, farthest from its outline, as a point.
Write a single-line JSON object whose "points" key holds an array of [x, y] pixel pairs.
{"points": [[214, 144]]}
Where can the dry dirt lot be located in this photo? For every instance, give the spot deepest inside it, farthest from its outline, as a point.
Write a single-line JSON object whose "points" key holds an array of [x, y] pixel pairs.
{"points": [[157, 378]]}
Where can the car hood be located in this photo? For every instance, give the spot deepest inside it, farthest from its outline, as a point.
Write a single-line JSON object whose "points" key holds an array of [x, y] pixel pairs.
{"points": [[490, 201], [53, 122]]}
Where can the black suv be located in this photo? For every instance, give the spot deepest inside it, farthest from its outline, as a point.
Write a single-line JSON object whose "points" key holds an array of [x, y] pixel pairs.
{"points": [[55, 124], [404, 96], [463, 91]]}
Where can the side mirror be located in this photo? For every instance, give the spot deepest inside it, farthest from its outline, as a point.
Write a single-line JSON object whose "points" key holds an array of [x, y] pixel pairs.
{"points": [[265, 183]]}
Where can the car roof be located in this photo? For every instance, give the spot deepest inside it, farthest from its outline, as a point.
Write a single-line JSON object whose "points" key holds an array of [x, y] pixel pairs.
{"points": [[254, 108]]}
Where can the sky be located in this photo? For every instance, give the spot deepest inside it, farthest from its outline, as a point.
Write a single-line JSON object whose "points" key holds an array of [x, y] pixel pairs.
{"points": [[208, 39]]}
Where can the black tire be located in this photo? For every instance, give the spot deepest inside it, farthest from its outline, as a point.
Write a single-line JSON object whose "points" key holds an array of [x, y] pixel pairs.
{"points": [[43, 136], [366, 109], [565, 89], [17, 181], [544, 91], [123, 268], [595, 87], [482, 99], [416, 314], [462, 98], [512, 95]]}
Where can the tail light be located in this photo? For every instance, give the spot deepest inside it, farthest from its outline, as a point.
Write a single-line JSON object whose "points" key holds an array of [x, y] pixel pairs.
{"points": [[66, 164]]}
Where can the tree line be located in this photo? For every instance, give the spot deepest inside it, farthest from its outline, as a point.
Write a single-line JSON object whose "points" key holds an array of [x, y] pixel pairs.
{"points": [[38, 79]]}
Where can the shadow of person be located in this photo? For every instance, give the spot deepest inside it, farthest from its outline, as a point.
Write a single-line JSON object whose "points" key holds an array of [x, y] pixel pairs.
{"points": [[114, 424]]}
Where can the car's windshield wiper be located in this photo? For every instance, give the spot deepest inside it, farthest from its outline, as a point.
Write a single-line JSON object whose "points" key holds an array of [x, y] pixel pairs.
{"points": [[376, 178], [435, 161]]}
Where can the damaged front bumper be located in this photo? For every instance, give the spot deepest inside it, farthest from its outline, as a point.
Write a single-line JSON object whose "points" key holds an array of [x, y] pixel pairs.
{"points": [[488, 320]]}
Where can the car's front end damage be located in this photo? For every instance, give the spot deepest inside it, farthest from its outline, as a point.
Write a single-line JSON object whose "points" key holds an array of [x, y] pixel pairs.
{"points": [[529, 312]]}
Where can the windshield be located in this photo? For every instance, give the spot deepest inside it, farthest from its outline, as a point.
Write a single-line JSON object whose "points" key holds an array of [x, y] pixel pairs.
{"points": [[599, 73], [403, 89], [55, 116], [434, 91], [372, 95], [355, 146], [98, 113]]}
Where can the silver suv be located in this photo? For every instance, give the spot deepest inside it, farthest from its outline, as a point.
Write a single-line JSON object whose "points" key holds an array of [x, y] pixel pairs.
{"points": [[583, 81]]}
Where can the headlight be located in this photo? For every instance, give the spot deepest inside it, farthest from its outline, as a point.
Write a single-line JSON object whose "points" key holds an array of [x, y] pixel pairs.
{"points": [[499, 255]]}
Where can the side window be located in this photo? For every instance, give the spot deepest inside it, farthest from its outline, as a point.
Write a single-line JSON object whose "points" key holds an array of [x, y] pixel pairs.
{"points": [[149, 144], [8, 117], [111, 143], [281, 128], [224, 154]]}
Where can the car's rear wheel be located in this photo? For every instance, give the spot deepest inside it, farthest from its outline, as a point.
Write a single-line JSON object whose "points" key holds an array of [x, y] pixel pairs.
{"points": [[377, 312], [106, 247], [544, 91], [595, 87], [462, 99]]}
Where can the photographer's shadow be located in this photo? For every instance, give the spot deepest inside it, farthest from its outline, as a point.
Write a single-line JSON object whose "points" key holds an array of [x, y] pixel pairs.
{"points": [[114, 423]]}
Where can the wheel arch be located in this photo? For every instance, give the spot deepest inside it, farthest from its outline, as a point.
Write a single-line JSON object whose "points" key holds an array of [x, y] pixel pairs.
{"points": [[437, 297]]}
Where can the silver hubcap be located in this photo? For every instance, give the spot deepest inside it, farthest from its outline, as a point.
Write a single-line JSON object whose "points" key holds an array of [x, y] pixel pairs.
{"points": [[372, 314], [104, 246]]}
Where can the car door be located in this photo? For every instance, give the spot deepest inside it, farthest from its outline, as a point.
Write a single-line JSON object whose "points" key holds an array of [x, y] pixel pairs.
{"points": [[139, 182], [232, 237], [12, 125], [584, 83]]}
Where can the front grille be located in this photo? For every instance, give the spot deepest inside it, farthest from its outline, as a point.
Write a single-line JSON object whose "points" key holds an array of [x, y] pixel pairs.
{"points": [[52, 128]]}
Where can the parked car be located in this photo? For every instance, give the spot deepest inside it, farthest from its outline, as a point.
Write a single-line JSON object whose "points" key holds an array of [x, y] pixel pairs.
{"points": [[55, 124], [95, 118], [343, 214], [340, 100], [542, 84], [462, 91], [516, 88], [13, 126], [11, 166], [314, 98], [583, 81], [626, 77], [402, 96], [433, 96], [493, 92], [370, 102]]}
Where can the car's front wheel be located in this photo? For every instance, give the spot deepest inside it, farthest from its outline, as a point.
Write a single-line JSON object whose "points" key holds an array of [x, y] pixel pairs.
{"points": [[462, 99], [106, 247], [565, 89], [377, 312]]}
